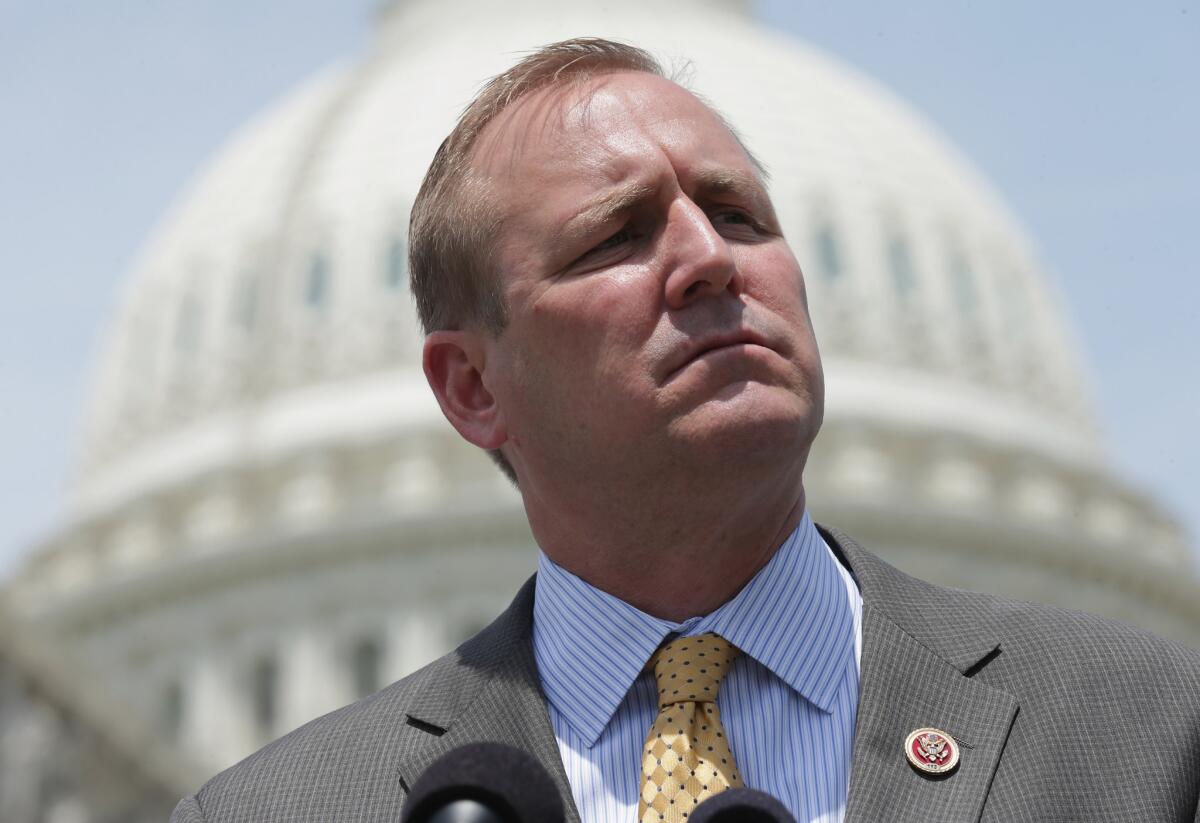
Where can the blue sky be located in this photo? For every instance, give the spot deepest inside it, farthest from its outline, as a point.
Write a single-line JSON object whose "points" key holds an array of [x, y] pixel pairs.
{"points": [[1083, 115]]}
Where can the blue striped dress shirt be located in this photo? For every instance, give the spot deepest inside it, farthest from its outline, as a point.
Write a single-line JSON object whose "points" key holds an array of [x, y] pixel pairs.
{"points": [[788, 703]]}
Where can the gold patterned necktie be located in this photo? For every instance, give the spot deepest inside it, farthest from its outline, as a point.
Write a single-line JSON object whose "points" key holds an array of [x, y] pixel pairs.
{"points": [[686, 758]]}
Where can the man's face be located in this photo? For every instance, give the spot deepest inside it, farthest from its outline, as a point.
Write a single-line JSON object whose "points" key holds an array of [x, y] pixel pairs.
{"points": [[656, 314]]}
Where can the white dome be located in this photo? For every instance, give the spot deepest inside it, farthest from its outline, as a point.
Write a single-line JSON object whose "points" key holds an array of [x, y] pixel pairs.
{"points": [[275, 279], [269, 483], [268, 319], [267, 344]]}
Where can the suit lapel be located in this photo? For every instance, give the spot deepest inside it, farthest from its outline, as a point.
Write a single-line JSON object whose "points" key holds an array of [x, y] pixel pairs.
{"points": [[488, 690], [919, 644], [905, 687]]}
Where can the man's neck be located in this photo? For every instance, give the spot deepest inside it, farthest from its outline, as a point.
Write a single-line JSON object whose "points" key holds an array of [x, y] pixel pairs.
{"points": [[672, 558]]}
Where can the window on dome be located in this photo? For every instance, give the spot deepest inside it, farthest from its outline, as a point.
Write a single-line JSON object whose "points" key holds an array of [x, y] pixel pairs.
{"points": [[187, 325], [962, 283], [366, 666], [264, 687], [245, 303], [900, 263], [1014, 300], [317, 285], [829, 256], [396, 267], [173, 709]]}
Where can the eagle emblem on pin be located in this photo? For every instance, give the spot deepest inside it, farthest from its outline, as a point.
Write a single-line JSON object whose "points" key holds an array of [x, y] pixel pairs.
{"points": [[931, 751]]}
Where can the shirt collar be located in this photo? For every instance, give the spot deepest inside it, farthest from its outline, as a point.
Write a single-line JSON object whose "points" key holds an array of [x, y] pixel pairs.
{"points": [[793, 617]]}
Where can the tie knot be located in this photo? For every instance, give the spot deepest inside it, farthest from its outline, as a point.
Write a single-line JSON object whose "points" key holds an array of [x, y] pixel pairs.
{"points": [[691, 668]]}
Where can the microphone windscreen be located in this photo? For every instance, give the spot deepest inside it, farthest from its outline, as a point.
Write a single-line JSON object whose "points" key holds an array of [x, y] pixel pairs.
{"points": [[505, 779], [741, 806]]}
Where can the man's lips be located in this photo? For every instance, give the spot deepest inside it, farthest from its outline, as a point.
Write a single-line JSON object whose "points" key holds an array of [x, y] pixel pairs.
{"points": [[698, 349]]}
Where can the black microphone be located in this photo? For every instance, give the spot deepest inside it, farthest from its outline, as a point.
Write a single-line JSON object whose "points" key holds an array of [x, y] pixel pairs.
{"points": [[484, 783], [741, 806]]}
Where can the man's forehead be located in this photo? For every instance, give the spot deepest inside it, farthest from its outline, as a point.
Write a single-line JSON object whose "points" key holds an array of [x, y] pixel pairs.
{"points": [[595, 127]]}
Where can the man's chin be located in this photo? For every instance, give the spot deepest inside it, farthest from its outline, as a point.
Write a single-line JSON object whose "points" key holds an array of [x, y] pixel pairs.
{"points": [[742, 421]]}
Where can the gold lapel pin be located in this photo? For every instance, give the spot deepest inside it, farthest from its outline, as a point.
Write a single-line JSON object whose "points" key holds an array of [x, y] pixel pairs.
{"points": [[931, 751]]}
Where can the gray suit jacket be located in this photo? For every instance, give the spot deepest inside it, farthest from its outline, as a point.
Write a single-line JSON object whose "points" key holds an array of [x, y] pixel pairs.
{"points": [[1061, 716]]}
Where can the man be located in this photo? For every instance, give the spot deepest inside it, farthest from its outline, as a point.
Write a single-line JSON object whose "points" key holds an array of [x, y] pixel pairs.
{"points": [[612, 311]]}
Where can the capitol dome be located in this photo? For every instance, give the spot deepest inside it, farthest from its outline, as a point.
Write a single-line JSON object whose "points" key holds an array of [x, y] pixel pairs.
{"points": [[272, 517]]}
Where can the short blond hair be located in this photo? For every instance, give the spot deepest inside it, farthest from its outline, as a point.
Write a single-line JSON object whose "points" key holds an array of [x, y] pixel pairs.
{"points": [[452, 229]]}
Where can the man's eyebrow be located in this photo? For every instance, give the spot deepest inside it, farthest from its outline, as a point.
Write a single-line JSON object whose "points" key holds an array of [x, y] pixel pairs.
{"points": [[744, 185], [709, 183], [603, 209]]}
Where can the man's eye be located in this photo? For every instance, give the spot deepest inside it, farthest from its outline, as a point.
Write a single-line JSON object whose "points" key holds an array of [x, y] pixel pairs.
{"points": [[739, 225], [621, 237], [606, 251], [733, 218]]}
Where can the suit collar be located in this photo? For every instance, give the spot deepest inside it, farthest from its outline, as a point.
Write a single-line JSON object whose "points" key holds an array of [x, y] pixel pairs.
{"points": [[921, 646]]}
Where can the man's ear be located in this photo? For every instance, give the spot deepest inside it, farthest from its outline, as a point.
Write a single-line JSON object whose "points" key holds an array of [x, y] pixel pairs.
{"points": [[454, 363]]}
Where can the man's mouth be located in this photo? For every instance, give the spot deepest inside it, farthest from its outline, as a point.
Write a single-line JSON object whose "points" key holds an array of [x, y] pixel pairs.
{"points": [[710, 345]]}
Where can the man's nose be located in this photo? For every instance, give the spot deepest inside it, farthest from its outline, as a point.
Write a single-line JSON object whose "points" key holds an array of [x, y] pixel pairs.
{"points": [[699, 261]]}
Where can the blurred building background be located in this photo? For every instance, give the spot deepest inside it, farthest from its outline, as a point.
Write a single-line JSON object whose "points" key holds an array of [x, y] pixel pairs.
{"points": [[272, 519], [72, 751]]}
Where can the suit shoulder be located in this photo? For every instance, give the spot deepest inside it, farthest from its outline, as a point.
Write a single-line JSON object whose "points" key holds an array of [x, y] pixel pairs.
{"points": [[346, 764], [359, 745], [1075, 653], [1058, 629], [1092, 694], [955, 622]]}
